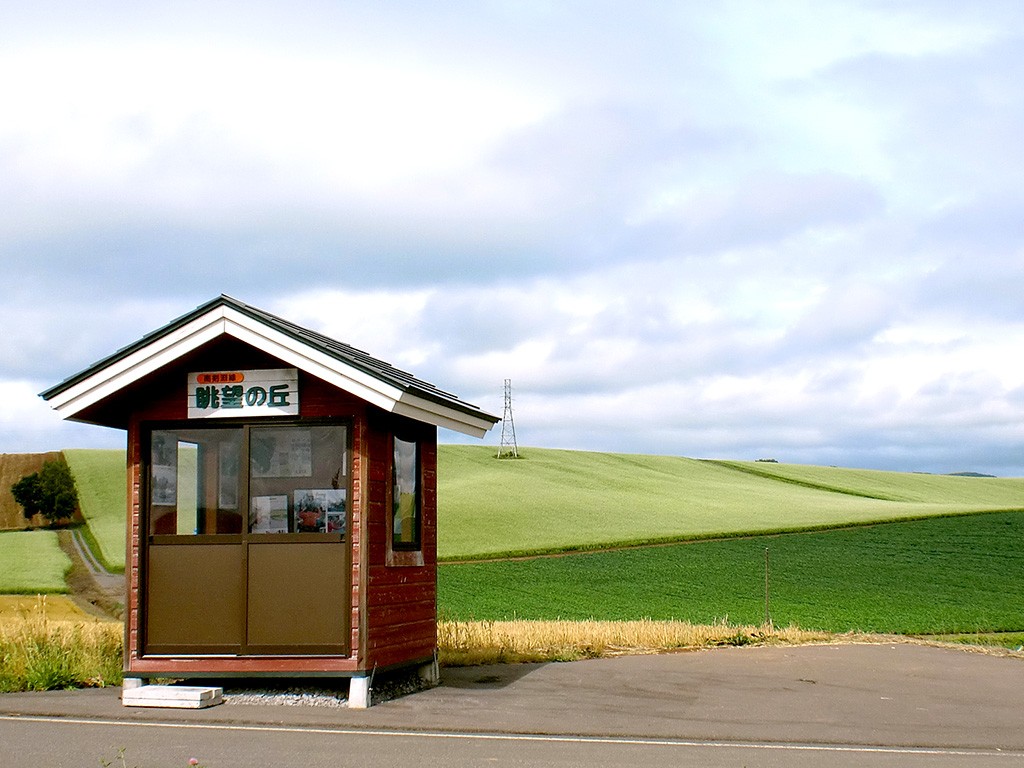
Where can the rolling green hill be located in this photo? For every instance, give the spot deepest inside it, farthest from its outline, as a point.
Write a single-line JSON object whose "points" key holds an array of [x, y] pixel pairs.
{"points": [[554, 500], [102, 497], [943, 570], [894, 486]]}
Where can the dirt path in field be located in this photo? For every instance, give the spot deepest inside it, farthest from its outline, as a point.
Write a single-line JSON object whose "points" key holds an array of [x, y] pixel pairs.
{"points": [[93, 588]]}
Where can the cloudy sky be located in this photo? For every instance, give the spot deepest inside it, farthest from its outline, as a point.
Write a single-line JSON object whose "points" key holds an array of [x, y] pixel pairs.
{"points": [[740, 229]]}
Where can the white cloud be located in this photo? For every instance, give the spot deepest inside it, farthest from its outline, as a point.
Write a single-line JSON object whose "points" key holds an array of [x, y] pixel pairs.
{"points": [[381, 323], [222, 129], [27, 425], [735, 229]]}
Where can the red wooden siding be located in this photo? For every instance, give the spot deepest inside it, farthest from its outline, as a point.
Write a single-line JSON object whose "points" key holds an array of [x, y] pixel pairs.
{"points": [[401, 599], [393, 607]]}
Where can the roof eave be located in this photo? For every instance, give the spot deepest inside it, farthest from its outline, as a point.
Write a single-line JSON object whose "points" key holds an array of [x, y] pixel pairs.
{"points": [[226, 316], [474, 424]]}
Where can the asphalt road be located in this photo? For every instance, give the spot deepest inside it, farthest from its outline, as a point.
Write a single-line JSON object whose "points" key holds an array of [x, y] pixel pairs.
{"points": [[877, 705]]}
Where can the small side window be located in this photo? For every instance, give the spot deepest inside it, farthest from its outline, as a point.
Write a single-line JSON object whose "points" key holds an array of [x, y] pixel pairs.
{"points": [[405, 475]]}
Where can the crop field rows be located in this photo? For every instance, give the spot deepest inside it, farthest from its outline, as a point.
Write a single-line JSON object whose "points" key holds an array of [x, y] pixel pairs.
{"points": [[940, 575]]}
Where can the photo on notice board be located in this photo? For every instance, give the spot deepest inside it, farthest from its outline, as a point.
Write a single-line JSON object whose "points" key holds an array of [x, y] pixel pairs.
{"points": [[337, 519], [269, 514], [320, 510]]}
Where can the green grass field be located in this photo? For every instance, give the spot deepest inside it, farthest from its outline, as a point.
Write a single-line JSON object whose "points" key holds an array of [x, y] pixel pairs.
{"points": [[553, 500], [33, 563], [940, 575], [948, 571], [102, 489]]}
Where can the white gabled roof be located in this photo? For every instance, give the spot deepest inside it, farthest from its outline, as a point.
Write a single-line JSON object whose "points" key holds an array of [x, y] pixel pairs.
{"points": [[345, 367]]}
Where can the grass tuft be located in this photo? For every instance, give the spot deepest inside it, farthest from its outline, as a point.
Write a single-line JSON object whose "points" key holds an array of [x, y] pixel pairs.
{"points": [[38, 654]]}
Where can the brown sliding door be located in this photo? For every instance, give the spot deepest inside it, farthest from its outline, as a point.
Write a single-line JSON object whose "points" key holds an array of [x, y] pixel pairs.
{"points": [[247, 547]]}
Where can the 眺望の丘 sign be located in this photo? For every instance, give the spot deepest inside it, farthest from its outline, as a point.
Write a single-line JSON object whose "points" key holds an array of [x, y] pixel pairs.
{"points": [[221, 394]]}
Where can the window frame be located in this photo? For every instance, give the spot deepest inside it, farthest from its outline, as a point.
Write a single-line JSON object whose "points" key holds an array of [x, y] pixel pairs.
{"points": [[395, 545], [147, 429]]}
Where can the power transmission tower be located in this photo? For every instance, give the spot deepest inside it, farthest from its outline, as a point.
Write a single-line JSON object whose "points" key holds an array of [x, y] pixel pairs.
{"points": [[508, 427]]}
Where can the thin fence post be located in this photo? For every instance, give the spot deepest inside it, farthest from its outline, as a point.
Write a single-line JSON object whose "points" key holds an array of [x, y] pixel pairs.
{"points": [[767, 611]]}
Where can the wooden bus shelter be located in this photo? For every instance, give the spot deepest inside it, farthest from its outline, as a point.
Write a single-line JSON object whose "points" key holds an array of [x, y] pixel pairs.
{"points": [[282, 505]]}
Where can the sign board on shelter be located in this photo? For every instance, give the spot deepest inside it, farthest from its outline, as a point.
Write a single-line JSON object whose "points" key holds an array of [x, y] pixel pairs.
{"points": [[227, 394]]}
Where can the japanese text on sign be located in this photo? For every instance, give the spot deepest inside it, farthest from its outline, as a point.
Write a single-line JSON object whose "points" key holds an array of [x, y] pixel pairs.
{"points": [[273, 392]]}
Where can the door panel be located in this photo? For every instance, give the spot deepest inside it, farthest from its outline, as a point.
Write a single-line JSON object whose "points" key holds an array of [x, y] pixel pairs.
{"points": [[298, 598], [195, 597]]}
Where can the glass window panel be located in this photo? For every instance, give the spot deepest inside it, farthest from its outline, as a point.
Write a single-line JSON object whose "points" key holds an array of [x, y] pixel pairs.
{"points": [[405, 531], [194, 481], [298, 479], [163, 482], [187, 489]]}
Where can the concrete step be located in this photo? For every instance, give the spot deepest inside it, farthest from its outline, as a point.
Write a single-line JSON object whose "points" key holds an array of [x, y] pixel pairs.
{"points": [[176, 696]]}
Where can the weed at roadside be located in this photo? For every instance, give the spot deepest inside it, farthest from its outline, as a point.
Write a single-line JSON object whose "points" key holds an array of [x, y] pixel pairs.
{"points": [[38, 654], [121, 762]]}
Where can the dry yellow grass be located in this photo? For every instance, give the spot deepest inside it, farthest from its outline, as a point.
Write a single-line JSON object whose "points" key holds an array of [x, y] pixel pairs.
{"points": [[38, 652], [463, 643], [46, 642], [58, 608]]}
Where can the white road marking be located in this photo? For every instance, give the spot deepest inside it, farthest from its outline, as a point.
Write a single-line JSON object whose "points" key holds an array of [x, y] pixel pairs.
{"points": [[537, 737]]}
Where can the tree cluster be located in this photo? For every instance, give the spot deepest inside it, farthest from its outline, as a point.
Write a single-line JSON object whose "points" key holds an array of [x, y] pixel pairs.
{"points": [[50, 492]]}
